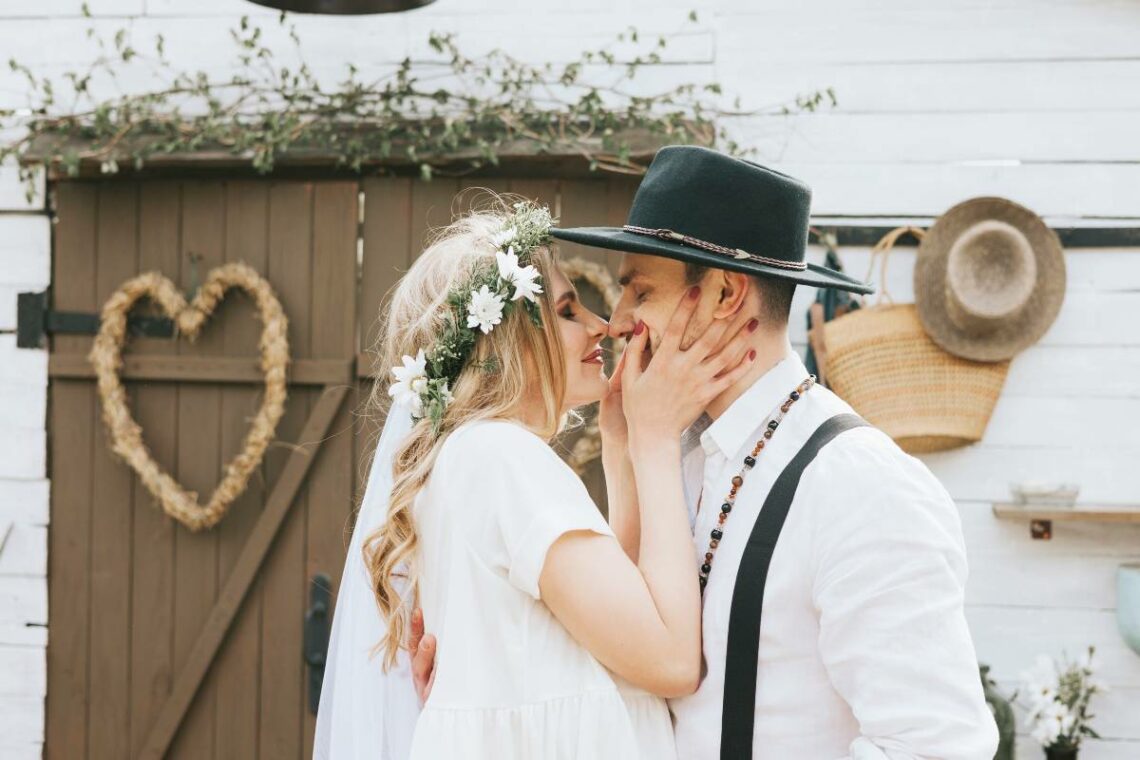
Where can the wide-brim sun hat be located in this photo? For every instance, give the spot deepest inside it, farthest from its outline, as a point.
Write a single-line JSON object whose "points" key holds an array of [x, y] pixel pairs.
{"points": [[701, 206], [989, 279]]}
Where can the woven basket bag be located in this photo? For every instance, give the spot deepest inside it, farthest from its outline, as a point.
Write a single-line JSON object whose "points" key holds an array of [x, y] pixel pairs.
{"points": [[882, 363]]}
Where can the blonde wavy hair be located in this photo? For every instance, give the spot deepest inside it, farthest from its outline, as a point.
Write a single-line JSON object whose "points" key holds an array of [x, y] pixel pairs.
{"points": [[522, 355]]}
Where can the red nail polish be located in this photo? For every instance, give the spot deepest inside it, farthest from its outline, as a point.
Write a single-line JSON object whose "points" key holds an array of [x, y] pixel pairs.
{"points": [[694, 292], [752, 354], [638, 329], [752, 325]]}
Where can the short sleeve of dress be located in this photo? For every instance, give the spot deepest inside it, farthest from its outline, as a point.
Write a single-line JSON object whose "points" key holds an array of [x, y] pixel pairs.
{"points": [[534, 496]]}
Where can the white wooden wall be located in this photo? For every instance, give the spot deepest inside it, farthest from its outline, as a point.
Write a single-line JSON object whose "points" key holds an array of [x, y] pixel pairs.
{"points": [[1035, 100]]}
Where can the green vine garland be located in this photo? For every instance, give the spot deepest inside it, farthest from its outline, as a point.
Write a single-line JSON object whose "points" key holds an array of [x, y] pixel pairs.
{"points": [[265, 112]]}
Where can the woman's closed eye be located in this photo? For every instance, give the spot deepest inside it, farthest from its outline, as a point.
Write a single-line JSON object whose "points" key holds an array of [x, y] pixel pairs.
{"points": [[567, 306]]}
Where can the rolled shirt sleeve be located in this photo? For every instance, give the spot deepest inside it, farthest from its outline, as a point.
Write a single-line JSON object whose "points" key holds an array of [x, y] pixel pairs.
{"points": [[889, 586]]}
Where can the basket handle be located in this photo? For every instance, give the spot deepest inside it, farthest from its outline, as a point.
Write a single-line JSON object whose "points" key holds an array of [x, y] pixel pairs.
{"points": [[882, 250]]}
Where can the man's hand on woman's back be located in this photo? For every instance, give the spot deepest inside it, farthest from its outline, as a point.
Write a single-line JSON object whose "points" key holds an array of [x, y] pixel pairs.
{"points": [[422, 650]]}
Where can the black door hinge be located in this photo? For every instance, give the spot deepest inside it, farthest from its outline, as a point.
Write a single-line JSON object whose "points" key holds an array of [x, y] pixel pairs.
{"points": [[35, 320], [316, 638]]}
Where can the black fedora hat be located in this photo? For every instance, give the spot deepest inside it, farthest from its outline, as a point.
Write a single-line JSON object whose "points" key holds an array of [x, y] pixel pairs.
{"points": [[703, 207]]}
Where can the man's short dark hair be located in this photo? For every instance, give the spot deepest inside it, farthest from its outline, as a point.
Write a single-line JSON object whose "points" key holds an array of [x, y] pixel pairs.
{"points": [[775, 294]]}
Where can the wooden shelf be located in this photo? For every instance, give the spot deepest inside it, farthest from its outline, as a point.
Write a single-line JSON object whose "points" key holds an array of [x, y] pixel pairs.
{"points": [[1119, 514]]}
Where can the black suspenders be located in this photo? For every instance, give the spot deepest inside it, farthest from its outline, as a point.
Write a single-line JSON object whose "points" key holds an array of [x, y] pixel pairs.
{"points": [[743, 656]]}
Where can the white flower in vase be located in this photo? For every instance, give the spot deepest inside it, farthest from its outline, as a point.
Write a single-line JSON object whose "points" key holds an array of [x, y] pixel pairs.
{"points": [[1058, 710]]}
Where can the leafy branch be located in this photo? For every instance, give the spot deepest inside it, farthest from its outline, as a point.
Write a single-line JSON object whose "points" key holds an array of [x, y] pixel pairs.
{"points": [[452, 114]]}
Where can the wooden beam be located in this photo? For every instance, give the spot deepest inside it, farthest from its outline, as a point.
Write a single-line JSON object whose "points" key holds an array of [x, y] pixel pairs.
{"points": [[204, 369], [245, 570], [47, 148]]}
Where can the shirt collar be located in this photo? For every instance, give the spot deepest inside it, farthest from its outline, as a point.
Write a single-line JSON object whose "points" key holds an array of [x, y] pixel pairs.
{"points": [[691, 438], [728, 433]]}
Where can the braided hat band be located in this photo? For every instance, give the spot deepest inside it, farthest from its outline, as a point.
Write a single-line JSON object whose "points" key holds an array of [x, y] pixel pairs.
{"points": [[736, 253]]}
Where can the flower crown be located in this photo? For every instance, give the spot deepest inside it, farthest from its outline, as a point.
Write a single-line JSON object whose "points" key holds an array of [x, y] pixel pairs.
{"points": [[423, 382]]}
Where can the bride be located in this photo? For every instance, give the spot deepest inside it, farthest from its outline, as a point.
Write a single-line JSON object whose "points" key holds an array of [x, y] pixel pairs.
{"points": [[555, 640]]}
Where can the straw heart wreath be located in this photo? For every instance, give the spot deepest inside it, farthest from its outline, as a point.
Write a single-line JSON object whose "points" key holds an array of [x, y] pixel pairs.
{"points": [[126, 436]]}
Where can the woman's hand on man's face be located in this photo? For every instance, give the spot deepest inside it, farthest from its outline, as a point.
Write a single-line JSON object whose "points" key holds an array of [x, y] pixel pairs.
{"points": [[663, 397]]}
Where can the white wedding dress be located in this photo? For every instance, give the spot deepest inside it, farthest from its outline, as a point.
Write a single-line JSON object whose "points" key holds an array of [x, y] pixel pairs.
{"points": [[510, 681]]}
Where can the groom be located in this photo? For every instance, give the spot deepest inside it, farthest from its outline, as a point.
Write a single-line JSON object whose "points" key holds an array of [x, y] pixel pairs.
{"points": [[833, 617]]}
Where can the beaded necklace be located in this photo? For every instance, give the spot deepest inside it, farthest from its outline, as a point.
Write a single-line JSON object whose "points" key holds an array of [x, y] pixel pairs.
{"points": [[738, 479]]}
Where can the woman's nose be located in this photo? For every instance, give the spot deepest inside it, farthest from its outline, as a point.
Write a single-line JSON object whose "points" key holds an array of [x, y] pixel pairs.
{"points": [[600, 328]]}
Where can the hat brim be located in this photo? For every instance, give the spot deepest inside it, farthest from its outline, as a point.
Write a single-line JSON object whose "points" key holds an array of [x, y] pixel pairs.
{"points": [[617, 239], [1019, 332]]}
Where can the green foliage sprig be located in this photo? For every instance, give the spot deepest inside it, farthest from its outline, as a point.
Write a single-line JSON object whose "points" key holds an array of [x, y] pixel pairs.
{"points": [[485, 297], [267, 111]]}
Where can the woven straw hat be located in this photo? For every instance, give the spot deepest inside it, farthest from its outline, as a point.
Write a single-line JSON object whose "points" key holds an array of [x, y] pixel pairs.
{"points": [[989, 279]]}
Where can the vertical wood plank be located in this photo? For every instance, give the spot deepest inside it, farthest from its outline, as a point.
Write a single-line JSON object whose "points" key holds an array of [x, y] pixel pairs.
{"points": [[72, 411], [433, 206], [541, 191], [111, 503], [155, 407], [198, 465], [619, 198], [583, 202], [386, 242], [333, 331], [475, 193], [283, 579], [236, 670]]}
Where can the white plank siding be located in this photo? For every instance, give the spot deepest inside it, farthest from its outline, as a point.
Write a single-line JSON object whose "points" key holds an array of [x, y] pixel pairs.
{"points": [[1035, 100]]}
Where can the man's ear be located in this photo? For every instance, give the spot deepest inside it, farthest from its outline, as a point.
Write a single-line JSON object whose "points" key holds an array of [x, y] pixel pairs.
{"points": [[734, 287]]}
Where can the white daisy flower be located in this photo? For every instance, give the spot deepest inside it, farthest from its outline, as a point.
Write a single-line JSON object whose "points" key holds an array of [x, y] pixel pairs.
{"points": [[1047, 731], [445, 394], [411, 380], [525, 279], [485, 310], [503, 237]]}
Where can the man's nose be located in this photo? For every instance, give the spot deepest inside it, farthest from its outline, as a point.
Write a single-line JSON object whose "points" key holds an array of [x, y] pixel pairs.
{"points": [[621, 323]]}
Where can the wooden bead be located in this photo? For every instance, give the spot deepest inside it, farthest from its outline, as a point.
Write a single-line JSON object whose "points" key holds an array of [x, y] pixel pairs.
{"points": [[737, 481]]}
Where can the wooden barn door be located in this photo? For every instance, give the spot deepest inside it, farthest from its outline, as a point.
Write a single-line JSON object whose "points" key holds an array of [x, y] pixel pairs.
{"points": [[139, 604], [167, 643]]}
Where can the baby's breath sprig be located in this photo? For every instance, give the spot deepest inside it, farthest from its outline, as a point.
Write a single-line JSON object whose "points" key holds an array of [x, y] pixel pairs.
{"points": [[487, 296]]}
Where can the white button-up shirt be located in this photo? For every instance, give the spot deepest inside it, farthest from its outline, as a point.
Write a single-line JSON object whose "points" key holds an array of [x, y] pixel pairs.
{"points": [[864, 649]]}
